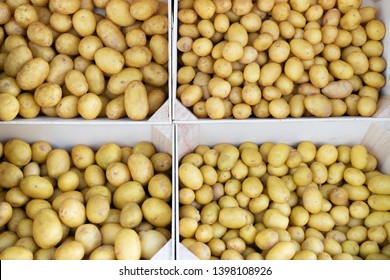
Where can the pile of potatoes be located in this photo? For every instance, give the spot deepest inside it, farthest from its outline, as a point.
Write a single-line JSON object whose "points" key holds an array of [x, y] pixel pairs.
{"points": [[275, 201], [105, 204], [279, 58], [83, 58]]}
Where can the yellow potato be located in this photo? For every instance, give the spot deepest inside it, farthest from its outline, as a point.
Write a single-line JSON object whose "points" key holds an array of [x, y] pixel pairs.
{"points": [[16, 253], [284, 250], [15, 60], [302, 49], [379, 184], [338, 89], [141, 168], [5, 213], [127, 245], [270, 72], [321, 221], [72, 212], [109, 60], [354, 176], [157, 24], [47, 229], [104, 252], [32, 74], [67, 43], [131, 215], [319, 76], [157, 212], [136, 102], [154, 74], [377, 218], [379, 202], [72, 250], [131, 191], [151, 242], [312, 200], [234, 217], [158, 45], [142, 10], [57, 162], [48, 95], [341, 70], [8, 239], [36, 187], [17, 152]]}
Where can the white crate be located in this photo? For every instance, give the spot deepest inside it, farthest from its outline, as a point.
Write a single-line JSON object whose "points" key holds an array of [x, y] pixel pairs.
{"points": [[181, 113], [66, 134], [374, 135]]}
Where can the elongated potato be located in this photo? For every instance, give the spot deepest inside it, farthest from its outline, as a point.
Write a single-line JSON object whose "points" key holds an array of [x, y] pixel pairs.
{"points": [[136, 101], [379, 184], [284, 250], [234, 217], [32, 74], [36, 187], [47, 229], [111, 35]]}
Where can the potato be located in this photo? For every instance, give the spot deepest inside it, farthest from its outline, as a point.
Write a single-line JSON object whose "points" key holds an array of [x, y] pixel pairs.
{"points": [[57, 162], [284, 250], [341, 70], [375, 30], [234, 217], [72, 250], [36, 187], [156, 25], [67, 43], [6, 213], [142, 10], [111, 35], [107, 154], [294, 68], [9, 106], [104, 252], [338, 89], [160, 186], [15, 60], [90, 236], [17, 152], [16, 253], [379, 184], [32, 74], [131, 191], [109, 60], [25, 14], [48, 94], [141, 168], [321, 221], [72, 212], [84, 22], [319, 76], [131, 215], [350, 20], [270, 72], [151, 242], [89, 106], [318, 105], [157, 212], [47, 229], [154, 74], [67, 8], [302, 49]]}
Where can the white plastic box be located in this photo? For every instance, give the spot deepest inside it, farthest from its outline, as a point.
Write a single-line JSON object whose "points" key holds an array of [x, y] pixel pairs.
{"points": [[181, 113], [66, 134], [374, 135]]}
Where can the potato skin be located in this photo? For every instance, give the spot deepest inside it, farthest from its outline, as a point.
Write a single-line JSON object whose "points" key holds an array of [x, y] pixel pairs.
{"points": [[136, 101], [32, 74], [127, 245], [36, 187], [47, 229]]}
